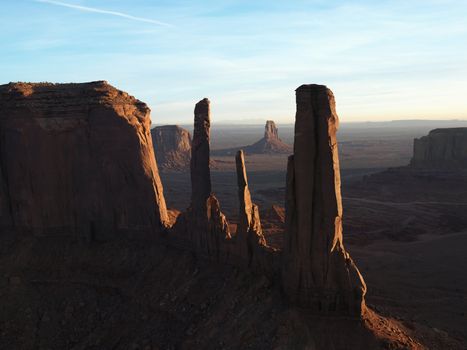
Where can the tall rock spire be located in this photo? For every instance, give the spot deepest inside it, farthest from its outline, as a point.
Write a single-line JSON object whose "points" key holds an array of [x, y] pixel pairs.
{"points": [[199, 165], [317, 271], [249, 232], [206, 224]]}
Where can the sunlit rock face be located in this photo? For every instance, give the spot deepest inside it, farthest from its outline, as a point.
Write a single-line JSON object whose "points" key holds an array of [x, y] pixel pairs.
{"points": [[250, 238], [442, 149], [172, 145], [317, 272], [77, 160]]}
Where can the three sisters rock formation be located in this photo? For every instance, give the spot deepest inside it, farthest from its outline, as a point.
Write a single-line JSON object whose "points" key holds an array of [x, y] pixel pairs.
{"points": [[77, 160]]}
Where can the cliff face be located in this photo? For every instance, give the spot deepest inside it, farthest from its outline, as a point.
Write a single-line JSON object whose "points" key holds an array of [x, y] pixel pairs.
{"points": [[172, 145], [441, 149], [77, 160], [317, 271]]}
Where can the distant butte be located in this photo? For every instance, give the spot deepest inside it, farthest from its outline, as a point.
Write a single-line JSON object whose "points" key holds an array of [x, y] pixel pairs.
{"points": [[269, 144], [442, 149], [172, 146]]}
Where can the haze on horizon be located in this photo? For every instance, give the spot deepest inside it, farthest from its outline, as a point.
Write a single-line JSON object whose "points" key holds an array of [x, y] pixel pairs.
{"points": [[384, 60]]}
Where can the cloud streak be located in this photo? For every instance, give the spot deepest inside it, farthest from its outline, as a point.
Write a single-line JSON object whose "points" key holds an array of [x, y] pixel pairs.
{"points": [[104, 12]]}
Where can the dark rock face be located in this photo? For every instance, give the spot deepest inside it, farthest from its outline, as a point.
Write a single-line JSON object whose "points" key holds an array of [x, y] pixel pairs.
{"points": [[317, 271], [249, 233], [203, 223], [77, 160], [199, 166], [441, 149], [172, 146]]}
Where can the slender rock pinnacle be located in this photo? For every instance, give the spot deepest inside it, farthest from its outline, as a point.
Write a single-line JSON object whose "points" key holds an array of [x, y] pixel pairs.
{"points": [[200, 171], [317, 271], [249, 232]]}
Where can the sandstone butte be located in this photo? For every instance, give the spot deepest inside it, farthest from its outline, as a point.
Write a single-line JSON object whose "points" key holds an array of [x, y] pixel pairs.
{"points": [[443, 149], [269, 144], [172, 146], [77, 160]]}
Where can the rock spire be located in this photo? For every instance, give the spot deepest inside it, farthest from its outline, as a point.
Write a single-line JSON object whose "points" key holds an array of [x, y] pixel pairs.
{"points": [[317, 272]]}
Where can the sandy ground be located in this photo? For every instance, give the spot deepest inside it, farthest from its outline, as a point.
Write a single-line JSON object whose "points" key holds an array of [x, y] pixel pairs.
{"points": [[422, 282]]}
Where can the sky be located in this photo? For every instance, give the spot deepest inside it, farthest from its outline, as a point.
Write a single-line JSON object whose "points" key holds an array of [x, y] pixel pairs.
{"points": [[384, 60]]}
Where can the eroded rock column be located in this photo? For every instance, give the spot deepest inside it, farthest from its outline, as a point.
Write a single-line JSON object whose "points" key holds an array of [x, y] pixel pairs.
{"points": [[249, 233], [199, 165], [206, 224], [317, 271]]}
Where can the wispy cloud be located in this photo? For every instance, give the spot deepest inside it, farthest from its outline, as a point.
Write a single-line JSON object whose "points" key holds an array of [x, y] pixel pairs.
{"points": [[105, 12]]}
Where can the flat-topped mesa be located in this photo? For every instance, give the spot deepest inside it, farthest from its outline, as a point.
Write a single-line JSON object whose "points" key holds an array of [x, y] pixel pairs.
{"points": [[172, 145], [443, 149], [77, 160], [317, 271], [249, 232], [270, 131]]}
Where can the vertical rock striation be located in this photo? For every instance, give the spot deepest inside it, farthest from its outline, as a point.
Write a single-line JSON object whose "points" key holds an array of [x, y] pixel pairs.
{"points": [[317, 272], [172, 145], [77, 160], [441, 149], [249, 233]]}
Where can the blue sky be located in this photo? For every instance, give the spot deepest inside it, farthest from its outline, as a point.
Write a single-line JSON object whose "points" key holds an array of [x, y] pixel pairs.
{"points": [[384, 60]]}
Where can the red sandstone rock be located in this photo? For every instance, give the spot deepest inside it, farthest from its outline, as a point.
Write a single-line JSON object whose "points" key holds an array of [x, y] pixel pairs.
{"points": [[77, 160], [203, 223], [172, 145], [249, 233], [317, 271], [200, 170]]}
